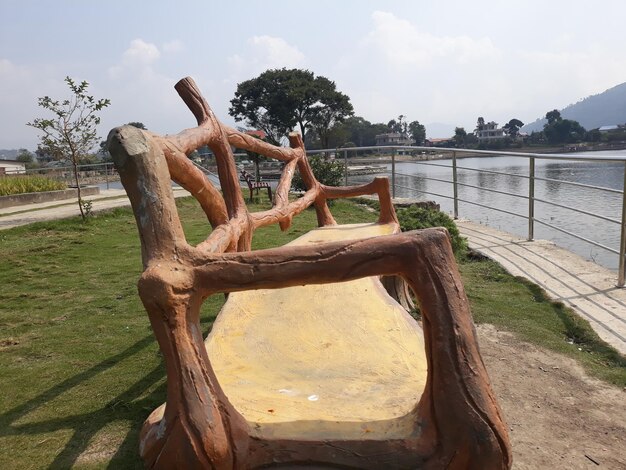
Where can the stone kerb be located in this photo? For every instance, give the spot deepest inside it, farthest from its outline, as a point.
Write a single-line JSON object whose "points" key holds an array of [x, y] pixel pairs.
{"points": [[45, 196]]}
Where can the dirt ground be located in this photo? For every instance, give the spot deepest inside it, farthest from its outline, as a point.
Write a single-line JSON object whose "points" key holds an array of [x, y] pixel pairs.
{"points": [[558, 417]]}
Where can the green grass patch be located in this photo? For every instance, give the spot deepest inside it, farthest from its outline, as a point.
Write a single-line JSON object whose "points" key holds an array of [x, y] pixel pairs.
{"points": [[516, 304], [80, 369], [19, 184]]}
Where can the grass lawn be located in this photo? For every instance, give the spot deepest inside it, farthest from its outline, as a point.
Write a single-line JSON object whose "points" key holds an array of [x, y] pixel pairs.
{"points": [[80, 369]]}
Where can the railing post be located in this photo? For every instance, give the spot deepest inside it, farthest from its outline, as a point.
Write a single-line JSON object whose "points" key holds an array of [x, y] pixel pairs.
{"points": [[345, 164], [455, 187], [393, 172], [621, 273], [106, 174], [531, 199]]}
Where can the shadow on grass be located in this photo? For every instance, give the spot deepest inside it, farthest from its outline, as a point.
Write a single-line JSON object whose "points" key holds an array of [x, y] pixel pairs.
{"points": [[124, 407]]}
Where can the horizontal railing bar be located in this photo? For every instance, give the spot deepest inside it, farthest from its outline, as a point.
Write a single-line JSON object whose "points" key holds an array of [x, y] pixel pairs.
{"points": [[502, 153], [424, 192], [493, 208], [480, 170], [580, 185], [491, 190], [567, 232], [581, 211], [427, 163], [537, 178], [425, 178]]}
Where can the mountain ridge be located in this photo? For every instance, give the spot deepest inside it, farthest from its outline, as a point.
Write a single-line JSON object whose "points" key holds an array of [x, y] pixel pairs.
{"points": [[603, 109]]}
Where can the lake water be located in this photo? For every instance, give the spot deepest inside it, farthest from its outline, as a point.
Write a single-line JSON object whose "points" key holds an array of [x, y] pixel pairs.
{"points": [[410, 178]]}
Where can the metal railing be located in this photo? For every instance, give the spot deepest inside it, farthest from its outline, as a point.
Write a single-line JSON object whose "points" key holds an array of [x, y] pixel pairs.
{"points": [[390, 153]]}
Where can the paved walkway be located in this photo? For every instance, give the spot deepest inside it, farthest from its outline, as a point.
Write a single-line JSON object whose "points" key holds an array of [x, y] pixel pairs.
{"points": [[585, 286], [589, 289]]}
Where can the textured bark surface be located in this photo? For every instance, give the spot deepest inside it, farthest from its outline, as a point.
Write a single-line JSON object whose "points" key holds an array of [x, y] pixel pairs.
{"points": [[457, 420]]}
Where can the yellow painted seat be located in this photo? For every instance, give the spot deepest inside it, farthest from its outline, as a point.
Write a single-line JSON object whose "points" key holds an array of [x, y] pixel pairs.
{"points": [[324, 361]]}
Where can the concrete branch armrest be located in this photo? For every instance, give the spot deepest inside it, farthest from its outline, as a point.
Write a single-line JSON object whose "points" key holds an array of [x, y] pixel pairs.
{"points": [[340, 261]]}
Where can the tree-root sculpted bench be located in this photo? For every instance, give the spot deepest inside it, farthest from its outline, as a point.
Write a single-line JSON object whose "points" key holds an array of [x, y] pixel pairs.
{"points": [[310, 363]]}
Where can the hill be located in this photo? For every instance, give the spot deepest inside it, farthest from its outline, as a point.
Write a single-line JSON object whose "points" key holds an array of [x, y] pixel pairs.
{"points": [[604, 109]]}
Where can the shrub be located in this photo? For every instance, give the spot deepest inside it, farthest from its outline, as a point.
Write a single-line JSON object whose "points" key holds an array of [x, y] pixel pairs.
{"points": [[328, 172], [28, 184], [415, 217]]}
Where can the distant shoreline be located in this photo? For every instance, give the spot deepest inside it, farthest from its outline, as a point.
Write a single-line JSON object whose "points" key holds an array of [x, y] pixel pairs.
{"points": [[445, 155]]}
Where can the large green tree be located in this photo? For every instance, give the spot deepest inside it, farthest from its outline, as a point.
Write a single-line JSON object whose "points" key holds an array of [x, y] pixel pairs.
{"points": [[358, 130], [512, 127], [553, 116], [562, 131], [459, 136], [280, 99], [71, 131], [418, 132], [398, 125]]}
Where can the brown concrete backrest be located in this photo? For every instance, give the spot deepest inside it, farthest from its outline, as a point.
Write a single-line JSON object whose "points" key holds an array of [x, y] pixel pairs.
{"points": [[227, 210]]}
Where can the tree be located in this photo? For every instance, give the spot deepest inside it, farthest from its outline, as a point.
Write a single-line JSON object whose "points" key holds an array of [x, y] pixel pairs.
{"points": [[564, 131], [278, 100], [399, 126], [594, 135], [357, 130], [71, 132], [331, 108], [328, 172], [418, 132], [512, 127], [459, 136], [561, 131], [24, 156], [27, 158], [553, 116]]}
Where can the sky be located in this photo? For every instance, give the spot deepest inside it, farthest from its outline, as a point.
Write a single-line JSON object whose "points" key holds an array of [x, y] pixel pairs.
{"points": [[436, 62]]}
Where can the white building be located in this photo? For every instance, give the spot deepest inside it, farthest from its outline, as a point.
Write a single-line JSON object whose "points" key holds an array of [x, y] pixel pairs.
{"points": [[486, 131], [393, 138], [11, 167]]}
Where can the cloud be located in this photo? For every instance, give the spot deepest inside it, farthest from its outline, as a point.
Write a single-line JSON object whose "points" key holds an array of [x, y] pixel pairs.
{"points": [[141, 52], [173, 46], [264, 52], [276, 52], [402, 43], [404, 69], [138, 58]]}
